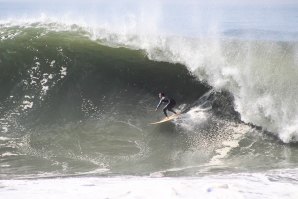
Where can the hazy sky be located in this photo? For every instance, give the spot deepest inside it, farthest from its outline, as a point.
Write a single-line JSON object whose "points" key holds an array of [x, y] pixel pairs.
{"points": [[186, 16], [239, 2]]}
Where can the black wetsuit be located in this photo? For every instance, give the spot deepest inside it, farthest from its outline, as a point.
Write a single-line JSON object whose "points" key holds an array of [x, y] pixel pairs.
{"points": [[169, 106]]}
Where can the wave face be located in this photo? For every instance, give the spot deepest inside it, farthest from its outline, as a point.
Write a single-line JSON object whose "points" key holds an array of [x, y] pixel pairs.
{"points": [[71, 103], [76, 99]]}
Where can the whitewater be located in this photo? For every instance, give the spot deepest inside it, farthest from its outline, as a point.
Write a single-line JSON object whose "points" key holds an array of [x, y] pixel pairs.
{"points": [[79, 85]]}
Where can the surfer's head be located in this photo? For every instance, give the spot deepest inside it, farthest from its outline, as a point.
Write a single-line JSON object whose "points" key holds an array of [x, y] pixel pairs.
{"points": [[161, 94]]}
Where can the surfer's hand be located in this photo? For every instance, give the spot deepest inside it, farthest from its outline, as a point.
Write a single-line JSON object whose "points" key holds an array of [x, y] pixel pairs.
{"points": [[156, 109]]}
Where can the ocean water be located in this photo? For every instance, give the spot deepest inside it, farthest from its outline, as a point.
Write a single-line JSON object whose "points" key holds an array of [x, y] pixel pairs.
{"points": [[79, 85]]}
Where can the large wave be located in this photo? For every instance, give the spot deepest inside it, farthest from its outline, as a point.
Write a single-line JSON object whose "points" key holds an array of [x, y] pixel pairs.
{"points": [[261, 75], [77, 105], [80, 97]]}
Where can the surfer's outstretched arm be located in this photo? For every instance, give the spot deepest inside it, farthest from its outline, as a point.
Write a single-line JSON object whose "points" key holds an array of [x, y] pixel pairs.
{"points": [[160, 102]]}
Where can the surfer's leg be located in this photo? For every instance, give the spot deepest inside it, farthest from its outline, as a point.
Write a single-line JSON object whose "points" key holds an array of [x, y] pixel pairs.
{"points": [[170, 109], [171, 106], [165, 111]]}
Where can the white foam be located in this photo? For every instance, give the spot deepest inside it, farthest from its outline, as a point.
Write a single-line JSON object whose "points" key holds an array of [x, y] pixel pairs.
{"points": [[231, 143], [8, 154], [63, 72], [52, 63], [4, 138], [193, 118], [234, 186], [4, 129], [27, 105], [45, 89]]}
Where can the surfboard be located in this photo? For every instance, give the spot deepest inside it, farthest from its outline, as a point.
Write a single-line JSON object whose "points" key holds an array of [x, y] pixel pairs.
{"points": [[172, 117]]}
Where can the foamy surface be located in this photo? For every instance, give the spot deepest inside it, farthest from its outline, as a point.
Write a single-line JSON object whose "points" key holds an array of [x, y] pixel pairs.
{"points": [[221, 186]]}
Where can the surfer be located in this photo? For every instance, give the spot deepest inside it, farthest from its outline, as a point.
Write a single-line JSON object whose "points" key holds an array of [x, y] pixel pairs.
{"points": [[170, 103]]}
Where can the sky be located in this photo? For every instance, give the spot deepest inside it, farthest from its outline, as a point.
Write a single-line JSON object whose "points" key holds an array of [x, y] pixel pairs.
{"points": [[237, 2], [189, 17]]}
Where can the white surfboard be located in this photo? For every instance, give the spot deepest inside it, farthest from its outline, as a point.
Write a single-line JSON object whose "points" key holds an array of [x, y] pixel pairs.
{"points": [[172, 117]]}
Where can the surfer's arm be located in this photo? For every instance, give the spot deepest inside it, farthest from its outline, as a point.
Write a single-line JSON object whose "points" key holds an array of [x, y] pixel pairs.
{"points": [[160, 102]]}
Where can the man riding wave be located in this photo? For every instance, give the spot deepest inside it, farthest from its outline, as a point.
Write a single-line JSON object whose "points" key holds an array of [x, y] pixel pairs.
{"points": [[170, 103]]}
